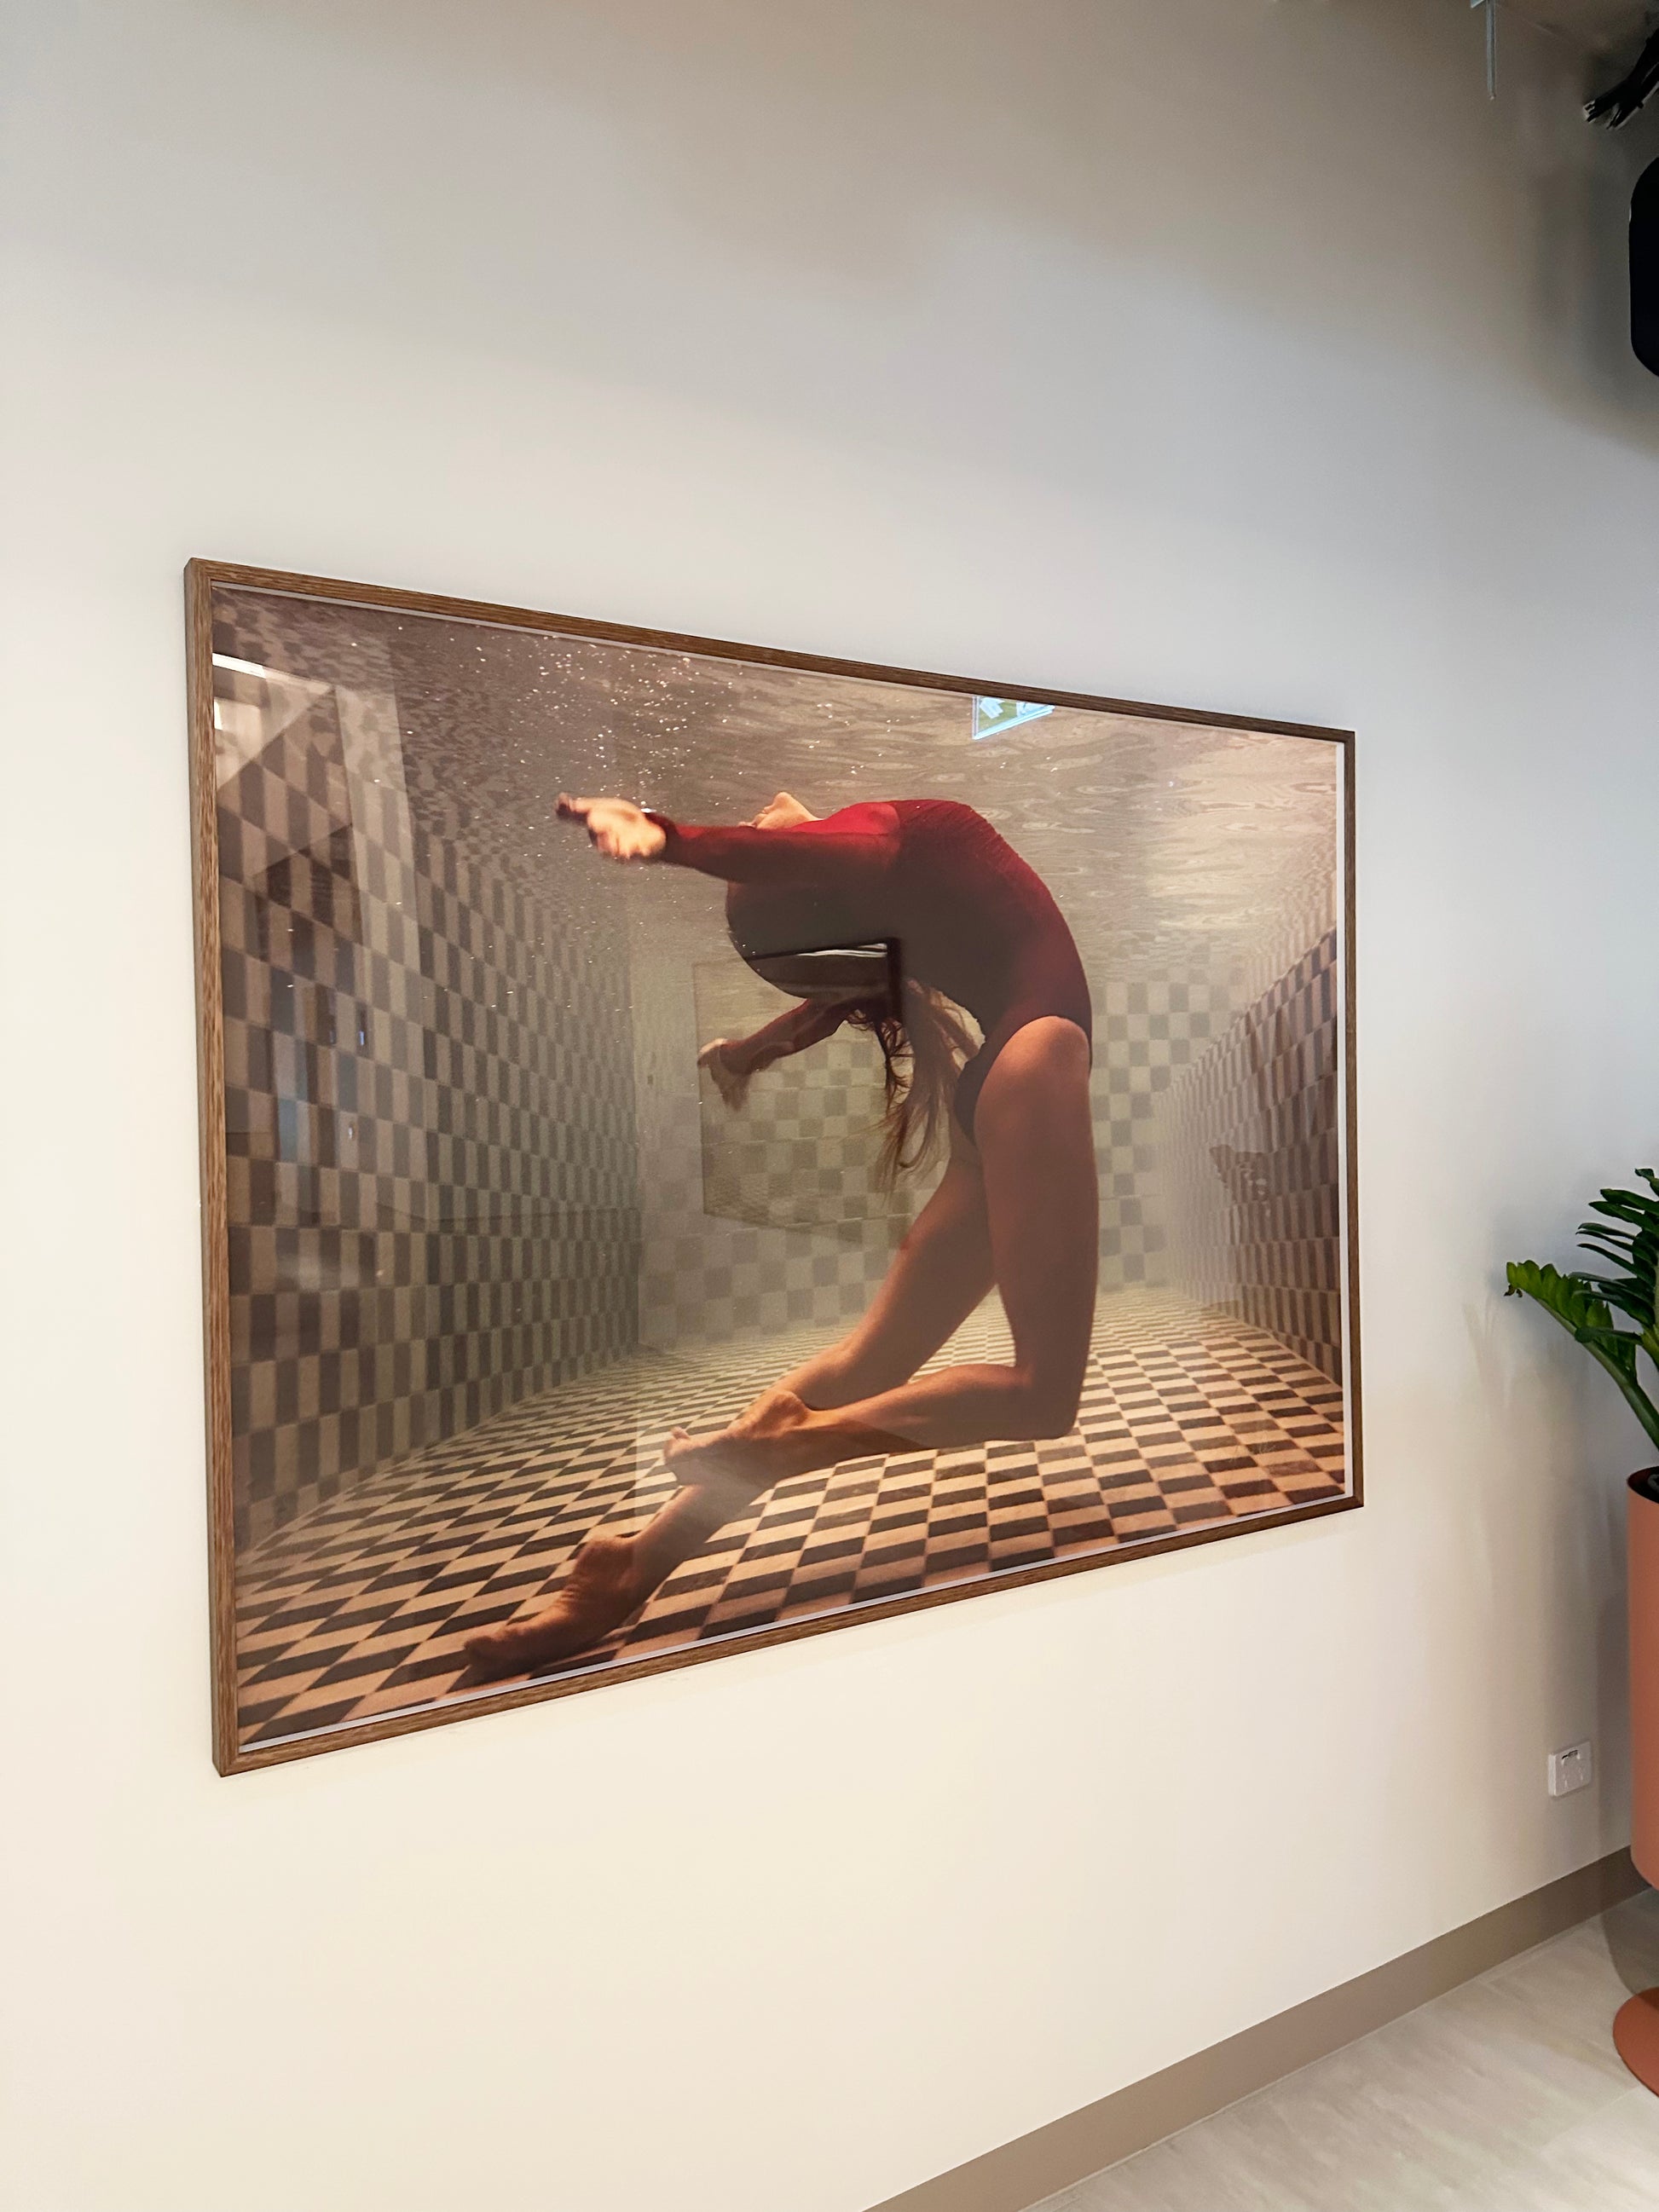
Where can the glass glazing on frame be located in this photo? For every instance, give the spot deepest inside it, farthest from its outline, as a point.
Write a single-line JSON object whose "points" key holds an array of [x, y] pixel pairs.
{"points": [[714, 1148]]}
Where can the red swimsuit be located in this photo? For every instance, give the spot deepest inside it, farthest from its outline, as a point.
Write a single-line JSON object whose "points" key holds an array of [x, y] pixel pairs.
{"points": [[971, 918]]}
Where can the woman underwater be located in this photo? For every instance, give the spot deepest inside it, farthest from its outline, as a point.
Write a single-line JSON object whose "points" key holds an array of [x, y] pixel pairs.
{"points": [[964, 920]]}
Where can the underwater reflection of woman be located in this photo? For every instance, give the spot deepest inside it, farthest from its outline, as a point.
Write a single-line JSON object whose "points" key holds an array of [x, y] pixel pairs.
{"points": [[955, 915]]}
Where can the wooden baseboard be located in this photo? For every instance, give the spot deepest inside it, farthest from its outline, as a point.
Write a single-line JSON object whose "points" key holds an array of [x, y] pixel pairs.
{"points": [[1020, 2174]]}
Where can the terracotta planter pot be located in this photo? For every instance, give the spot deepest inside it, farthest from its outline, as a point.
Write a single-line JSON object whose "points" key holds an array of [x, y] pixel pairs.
{"points": [[1636, 2030]]}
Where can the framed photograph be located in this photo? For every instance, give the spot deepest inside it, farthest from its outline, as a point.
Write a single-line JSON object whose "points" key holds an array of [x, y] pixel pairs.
{"points": [[704, 1144]]}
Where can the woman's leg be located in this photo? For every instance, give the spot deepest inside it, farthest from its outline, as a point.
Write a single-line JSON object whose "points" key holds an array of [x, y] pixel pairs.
{"points": [[939, 1273], [1036, 1140]]}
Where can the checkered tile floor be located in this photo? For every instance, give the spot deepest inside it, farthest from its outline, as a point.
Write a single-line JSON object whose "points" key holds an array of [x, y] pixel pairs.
{"points": [[360, 1609]]}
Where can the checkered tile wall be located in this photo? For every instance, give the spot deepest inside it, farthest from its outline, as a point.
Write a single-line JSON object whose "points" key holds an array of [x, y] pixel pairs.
{"points": [[433, 1192], [1255, 1121], [1146, 1034]]}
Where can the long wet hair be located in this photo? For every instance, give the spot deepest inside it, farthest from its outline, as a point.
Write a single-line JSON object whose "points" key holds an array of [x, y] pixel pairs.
{"points": [[923, 1044]]}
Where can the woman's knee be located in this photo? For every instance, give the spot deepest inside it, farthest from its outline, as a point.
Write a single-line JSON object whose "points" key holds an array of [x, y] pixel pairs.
{"points": [[1047, 1405], [1056, 1412]]}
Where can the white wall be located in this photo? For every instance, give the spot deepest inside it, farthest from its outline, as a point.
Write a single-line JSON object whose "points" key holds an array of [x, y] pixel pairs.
{"points": [[1203, 350]]}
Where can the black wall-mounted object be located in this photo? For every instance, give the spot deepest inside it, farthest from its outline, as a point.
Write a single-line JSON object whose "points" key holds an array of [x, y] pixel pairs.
{"points": [[1644, 268], [1615, 106]]}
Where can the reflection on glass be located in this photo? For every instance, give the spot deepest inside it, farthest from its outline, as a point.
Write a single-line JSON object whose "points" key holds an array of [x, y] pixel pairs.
{"points": [[534, 1160]]}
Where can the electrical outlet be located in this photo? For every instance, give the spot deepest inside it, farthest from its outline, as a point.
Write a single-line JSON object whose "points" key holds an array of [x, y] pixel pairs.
{"points": [[1570, 1770]]}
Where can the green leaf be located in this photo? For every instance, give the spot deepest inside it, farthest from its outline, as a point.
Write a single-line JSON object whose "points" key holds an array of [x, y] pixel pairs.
{"points": [[1620, 1288], [1576, 1301], [1569, 1297], [1627, 1235]]}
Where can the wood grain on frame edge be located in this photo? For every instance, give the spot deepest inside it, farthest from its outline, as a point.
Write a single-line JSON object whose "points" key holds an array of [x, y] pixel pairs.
{"points": [[1353, 1406], [202, 576], [215, 1255]]}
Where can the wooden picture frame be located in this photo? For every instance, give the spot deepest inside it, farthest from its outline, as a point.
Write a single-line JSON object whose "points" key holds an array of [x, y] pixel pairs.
{"points": [[237, 1746]]}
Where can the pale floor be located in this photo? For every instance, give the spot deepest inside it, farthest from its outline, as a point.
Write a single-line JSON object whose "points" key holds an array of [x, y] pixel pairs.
{"points": [[1504, 2096]]}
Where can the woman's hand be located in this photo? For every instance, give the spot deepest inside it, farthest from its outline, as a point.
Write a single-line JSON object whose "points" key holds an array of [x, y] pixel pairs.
{"points": [[616, 827], [730, 1080]]}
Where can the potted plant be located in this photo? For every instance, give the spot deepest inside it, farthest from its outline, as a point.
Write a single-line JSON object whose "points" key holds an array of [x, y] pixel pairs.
{"points": [[1625, 1237]]}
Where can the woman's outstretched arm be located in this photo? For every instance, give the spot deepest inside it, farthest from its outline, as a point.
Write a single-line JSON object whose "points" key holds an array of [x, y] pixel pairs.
{"points": [[851, 847], [734, 1062]]}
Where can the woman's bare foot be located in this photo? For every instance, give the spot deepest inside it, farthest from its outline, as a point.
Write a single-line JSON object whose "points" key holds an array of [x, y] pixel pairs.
{"points": [[732, 1082], [602, 1588]]}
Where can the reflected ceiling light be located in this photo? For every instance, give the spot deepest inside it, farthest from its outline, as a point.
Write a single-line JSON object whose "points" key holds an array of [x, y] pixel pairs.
{"points": [[993, 716]]}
